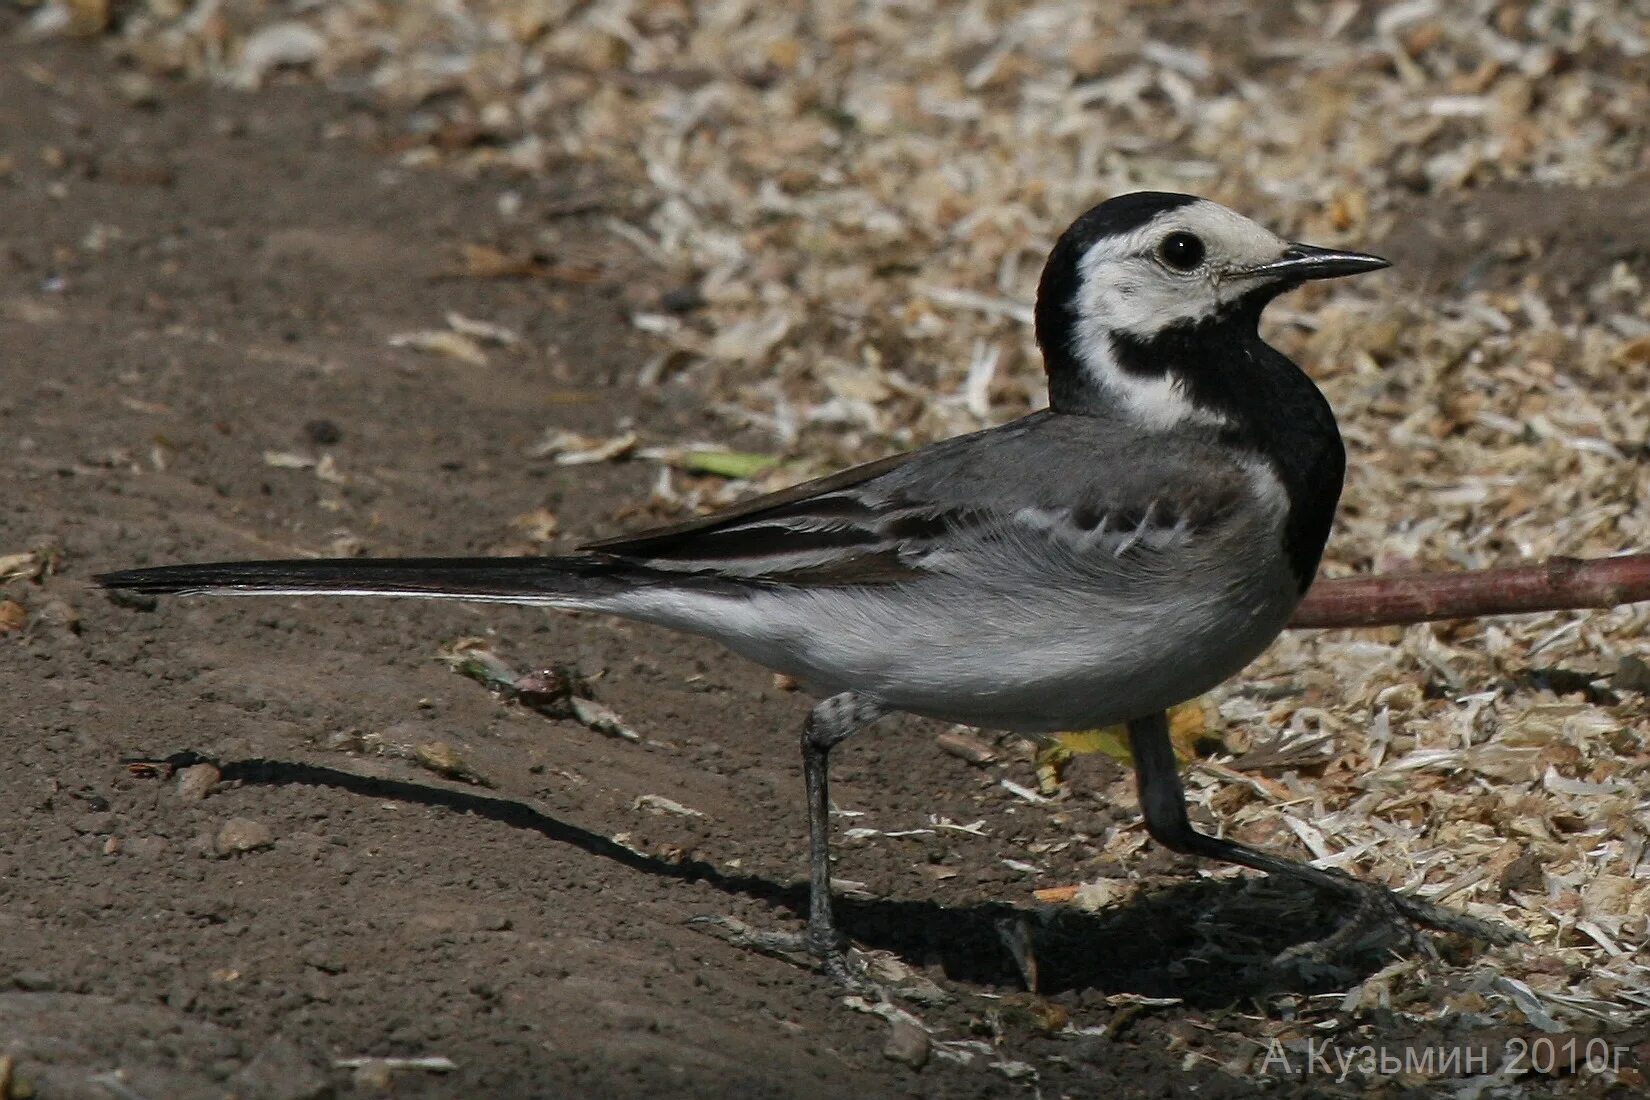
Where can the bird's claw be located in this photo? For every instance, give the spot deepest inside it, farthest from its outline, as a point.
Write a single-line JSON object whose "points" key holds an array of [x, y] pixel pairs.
{"points": [[837, 960], [1440, 919]]}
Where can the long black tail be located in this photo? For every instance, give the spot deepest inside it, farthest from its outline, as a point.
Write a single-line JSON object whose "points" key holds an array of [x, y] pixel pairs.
{"points": [[569, 580]]}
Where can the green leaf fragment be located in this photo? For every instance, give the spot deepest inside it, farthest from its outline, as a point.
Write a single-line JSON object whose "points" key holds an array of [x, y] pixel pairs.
{"points": [[730, 464]]}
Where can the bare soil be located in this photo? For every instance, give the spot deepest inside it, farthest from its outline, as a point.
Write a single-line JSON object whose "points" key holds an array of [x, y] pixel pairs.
{"points": [[194, 283]]}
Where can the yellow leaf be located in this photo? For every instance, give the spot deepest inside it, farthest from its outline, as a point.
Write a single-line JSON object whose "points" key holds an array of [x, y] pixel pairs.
{"points": [[1190, 725]]}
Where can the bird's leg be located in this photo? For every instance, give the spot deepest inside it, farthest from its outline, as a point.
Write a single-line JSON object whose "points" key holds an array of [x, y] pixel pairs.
{"points": [[832, 721], [1163, 802]]}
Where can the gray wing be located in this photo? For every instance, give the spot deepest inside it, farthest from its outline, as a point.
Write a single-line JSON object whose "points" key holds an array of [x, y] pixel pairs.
{"points": [[1095, 488]]}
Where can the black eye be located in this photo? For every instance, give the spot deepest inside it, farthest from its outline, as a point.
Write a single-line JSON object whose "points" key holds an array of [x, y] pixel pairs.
{"points": [[1181, 251]]}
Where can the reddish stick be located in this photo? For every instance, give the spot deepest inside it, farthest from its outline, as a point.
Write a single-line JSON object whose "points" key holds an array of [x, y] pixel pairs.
{"points": [[1558, 584]]}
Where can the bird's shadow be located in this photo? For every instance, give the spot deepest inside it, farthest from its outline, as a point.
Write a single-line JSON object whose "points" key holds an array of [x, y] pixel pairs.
{"points": [[1210, 943]]}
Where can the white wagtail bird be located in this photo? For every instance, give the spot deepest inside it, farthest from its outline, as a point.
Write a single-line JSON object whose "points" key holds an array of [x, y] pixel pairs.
{"points": [[1128, 548]]}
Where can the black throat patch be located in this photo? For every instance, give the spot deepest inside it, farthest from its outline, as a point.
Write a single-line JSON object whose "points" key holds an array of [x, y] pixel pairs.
{"points": [[1271, 407]]}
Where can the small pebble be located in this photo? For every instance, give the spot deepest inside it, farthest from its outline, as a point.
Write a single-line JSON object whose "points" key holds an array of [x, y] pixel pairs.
{"points": [[907, 1043], [242, 834], [196, 781], [33, 981]]}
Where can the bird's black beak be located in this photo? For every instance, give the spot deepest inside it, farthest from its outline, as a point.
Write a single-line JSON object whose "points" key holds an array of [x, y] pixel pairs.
{"points": [[1301, 262]]}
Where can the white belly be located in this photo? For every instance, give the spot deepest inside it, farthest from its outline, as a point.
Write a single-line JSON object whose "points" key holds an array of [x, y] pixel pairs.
{"points": [[1030, 658]]}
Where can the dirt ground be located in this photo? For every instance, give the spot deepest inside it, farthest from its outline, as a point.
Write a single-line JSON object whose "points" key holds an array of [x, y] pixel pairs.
{"points": [[197, 297]]}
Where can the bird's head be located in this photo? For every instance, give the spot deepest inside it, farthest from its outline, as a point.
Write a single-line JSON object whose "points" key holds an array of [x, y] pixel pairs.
{"points": [[1141, 280]]}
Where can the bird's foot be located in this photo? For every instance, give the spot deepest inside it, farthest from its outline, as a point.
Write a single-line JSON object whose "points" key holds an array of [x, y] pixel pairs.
{"points": [[837, 960], [877, 976], [1374, 923], [1439, 919], [1379, 913]]}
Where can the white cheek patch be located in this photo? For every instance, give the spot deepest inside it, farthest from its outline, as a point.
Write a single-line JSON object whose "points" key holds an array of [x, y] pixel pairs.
{"points": [[1123, 290]]}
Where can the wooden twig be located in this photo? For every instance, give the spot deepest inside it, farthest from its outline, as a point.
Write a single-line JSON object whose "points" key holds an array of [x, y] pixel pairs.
{"points": [[1558, 584]]}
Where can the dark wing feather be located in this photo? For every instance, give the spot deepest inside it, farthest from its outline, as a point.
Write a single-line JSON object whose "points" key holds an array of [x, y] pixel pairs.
{"points": [[1076, 487], [817, 533], [777, 505]]}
